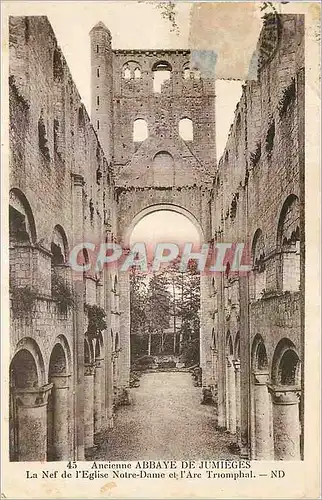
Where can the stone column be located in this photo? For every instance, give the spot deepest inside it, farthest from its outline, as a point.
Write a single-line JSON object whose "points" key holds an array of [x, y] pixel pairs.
{"points": [[89, 405], [125, 353], [61, 416], [213, 370], [237, 385], [98, 395], [221, 361], [103, 395], [109, 383], [231, 396], [32, 423], [286, 422], [262, 417]]}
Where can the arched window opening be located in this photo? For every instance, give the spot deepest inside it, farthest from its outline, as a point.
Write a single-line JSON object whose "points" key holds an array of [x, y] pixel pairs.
{"points": [[289, 368], [87, 353], [42, 138], [186, 71], [115, 284], [186, 129], [229, 346], [97, 349], [197, 75], [137, 73], [237, 346], [261, 362], [289, 244], [161, 73], [140, 130], [57, 256], [259, 269], [59, 248], [213, 339], [127, 73], [17, 225], [21, 221], [131, 69], [58, 66], [259, 355]]}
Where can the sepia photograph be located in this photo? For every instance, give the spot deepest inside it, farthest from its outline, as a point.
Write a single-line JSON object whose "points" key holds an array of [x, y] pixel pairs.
{"points": [[157, 236]]}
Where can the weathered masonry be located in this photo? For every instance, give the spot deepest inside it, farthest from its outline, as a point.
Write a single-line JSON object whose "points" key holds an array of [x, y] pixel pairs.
{"points": [[150, 145]]}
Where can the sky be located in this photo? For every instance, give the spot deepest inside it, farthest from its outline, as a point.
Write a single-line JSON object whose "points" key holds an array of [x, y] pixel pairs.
{"points": [[164, 227]]}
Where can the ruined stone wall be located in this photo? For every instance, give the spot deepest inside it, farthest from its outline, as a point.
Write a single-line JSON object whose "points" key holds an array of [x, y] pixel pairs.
{"points": [[256, 200], [62, 187], [179, 98]]}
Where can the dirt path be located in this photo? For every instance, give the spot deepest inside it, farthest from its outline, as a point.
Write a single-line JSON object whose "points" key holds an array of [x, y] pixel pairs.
{"points": [[165, 421]]}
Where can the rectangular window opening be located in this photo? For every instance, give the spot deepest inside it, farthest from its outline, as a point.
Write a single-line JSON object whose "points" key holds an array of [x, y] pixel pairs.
{"points": [[98, 124], [97, 49], [98, 72], [98, 100]]}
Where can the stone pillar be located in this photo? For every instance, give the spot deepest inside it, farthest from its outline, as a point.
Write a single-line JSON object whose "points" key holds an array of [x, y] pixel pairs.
{"points": [[214, 365], [61, 416], [214, 376], [32, 423], [262, 417], [78, 322], [222, 364], [245, 362], [237, 385], [286, 422], [125, 354], [108, 348], [89, 405], [98, 395], [109, 382], [103, 395], [231, 396]]}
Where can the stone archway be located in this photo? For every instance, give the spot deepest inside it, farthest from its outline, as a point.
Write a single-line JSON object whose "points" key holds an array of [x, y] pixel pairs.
{"points": [[286, 396], [58, 410], [157, 208], [128, 219], [28, 403], [261, 403]]}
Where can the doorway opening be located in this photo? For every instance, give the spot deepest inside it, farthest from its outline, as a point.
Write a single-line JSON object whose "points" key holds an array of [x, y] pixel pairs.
{"points": [[165, 304]]}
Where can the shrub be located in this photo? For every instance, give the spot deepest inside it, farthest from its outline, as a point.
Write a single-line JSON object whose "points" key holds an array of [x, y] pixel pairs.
{"points": [[62, 293], [22, 300], [145, 360], [96, 321]]}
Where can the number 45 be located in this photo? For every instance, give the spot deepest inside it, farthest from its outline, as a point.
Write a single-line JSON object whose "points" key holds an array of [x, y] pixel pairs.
{"points": [[72, 465]]}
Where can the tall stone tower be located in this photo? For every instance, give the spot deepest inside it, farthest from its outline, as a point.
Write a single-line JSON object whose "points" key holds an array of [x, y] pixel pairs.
{"points": [[102, 86]]}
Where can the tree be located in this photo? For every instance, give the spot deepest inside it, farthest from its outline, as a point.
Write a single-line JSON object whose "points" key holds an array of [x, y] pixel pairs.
{"points": [[169, 296], [186, 306], [158, 308], [138, 318]]}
